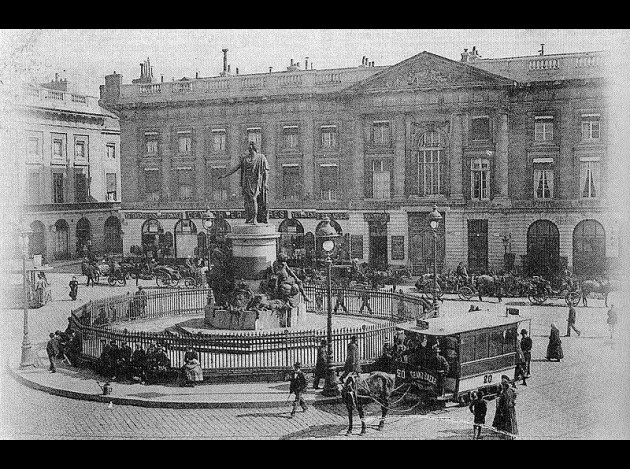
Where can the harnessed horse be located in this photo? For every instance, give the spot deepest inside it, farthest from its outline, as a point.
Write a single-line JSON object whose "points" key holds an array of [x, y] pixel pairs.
{"points": [[360, 388]]}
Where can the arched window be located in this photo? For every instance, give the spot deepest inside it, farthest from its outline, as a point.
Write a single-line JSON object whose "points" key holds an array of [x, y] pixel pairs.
{"points": [[291, 241], [152, 235], [430, 164], [84, 234], [589, 249], [543, 249], [37, 239], [62, 239], [185, 238], [113, 238]]}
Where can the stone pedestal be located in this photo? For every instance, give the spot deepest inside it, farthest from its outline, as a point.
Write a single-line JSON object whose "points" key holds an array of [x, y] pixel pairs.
{"points": [[253, 250]]}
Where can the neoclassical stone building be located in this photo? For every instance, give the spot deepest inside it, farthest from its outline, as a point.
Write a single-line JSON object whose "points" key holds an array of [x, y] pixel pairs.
{"points": [[64, 162], [512, 151]]}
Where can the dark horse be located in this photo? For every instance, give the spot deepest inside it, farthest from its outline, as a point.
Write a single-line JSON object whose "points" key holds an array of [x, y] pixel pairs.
{"points": [[361, 388]]}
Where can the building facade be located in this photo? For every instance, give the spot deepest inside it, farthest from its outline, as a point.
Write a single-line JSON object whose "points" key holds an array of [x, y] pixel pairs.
{"points": [[66, 162], [512, 151]]}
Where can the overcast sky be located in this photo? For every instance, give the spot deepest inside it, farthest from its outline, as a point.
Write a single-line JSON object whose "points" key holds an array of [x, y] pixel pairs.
{"points": [[88, 55]]}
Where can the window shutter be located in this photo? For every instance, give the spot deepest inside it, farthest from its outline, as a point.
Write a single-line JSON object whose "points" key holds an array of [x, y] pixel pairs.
{"points": [[368, 180]]}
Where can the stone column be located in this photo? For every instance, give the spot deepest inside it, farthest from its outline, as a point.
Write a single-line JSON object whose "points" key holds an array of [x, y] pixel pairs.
{"points": [[307, 162], [358, 170], [399, 156], [457, 152], [501, 175]]}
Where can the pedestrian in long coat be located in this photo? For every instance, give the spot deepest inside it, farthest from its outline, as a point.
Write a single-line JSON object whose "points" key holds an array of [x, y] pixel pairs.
{"points": [[352, 364], [74, 288], [571, 322], [52, 349], [320, 365], [505, 416], [554, 349], [612, 320]]}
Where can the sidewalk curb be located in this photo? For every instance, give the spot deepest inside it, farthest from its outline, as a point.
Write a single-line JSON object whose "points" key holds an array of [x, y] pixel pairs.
{"points": [[158, 404]]}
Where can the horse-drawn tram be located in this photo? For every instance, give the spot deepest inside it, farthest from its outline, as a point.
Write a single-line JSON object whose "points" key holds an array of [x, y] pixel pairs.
{"points": [[447, 358]]}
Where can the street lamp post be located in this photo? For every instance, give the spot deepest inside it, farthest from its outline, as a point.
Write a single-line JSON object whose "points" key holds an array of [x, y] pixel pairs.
{"points": [[27, 353], [327, 232], [207, 224], [434, 222]]}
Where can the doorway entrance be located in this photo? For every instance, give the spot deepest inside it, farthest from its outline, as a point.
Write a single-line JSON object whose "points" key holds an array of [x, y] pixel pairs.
{"points": [[477, 246], [378, 245]]}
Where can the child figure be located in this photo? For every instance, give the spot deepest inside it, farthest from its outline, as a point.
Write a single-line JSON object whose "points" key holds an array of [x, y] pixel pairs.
{"points": [[479, 408]]}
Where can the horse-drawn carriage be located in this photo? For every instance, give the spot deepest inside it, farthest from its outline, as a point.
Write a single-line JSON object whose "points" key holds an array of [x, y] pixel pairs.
{"points": [[479, 347]]}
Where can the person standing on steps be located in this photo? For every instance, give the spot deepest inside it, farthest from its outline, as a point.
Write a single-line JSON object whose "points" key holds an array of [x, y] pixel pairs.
{"points": [[298, 387]]}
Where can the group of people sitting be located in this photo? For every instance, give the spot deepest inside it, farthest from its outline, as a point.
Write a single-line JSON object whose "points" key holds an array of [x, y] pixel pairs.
{"points": [[153, 365]]}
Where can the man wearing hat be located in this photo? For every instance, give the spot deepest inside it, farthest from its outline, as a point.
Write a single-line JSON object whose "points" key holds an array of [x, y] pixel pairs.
{"points": [[526, 347], [298, 386], [352, 364], [320, 365], [441, 367], [52, 349]]}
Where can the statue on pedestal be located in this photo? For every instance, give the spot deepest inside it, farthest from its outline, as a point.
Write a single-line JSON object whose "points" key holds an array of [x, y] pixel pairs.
{"points": [[254, 175]]}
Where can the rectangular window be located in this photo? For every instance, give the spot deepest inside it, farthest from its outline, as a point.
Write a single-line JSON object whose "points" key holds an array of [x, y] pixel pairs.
{"points": [[254, 135], [381, 187], [185, 183], [184, 142], [589, 178], [329, 136], [58, 148], [218, 140], [467, 348], [112, 195], [79, 149], [430, 172], [151, 142], [496, 343], [481, 345], [480, 179], [543, 129], [218, 187], [33, 147], [480, 129], [590, 127], [543, 183], [152, 184], [328, 181], [291, 182], [381, 133], [34, 184], [58, 197], [80, 186], [291, 136], [111, 150]]}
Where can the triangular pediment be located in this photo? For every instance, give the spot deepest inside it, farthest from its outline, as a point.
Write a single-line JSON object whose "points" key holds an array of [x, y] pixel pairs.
{"points": [[429, 71]]}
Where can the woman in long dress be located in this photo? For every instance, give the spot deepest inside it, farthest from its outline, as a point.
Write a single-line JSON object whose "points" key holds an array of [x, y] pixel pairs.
{"points": [[554, 349], [192, 368], [505, 416]]}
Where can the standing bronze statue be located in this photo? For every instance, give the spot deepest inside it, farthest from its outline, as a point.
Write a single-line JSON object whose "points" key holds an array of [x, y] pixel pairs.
{"points": [[254, 174]]}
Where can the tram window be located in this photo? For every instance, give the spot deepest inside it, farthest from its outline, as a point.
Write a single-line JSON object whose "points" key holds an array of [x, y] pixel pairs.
{"points": [[481, 345], [509, 345], [449, 351], [468, 348], [496, 343]]}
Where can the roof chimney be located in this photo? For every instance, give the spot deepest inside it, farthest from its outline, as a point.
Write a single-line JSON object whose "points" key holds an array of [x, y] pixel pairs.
{"points": [[542, 49], [237, 70], [196, 74], [305, 63], [270, 68], [225, 67], [229, 67], [464, 56], [292, 62]]}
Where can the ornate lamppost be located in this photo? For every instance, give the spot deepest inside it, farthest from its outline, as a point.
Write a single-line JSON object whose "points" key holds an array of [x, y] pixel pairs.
{"points": [[434, 223], [207, 224], [27, 353], [328, 233]]}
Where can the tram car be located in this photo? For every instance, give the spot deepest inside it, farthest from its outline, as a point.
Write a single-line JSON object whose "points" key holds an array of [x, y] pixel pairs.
{"points": [[478, 346]]}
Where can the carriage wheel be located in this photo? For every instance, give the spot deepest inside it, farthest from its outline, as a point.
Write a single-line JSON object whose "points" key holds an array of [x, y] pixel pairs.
{"points": [[427, 289], [122, 281], [537, 298], [96, 278], [111, 280], [573, 298], [190, 282], [465, 293], [163, 280], [174, 282]]}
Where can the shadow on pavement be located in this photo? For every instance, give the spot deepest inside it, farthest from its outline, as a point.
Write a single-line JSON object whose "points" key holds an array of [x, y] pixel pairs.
{"points": [[319, 431]]}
